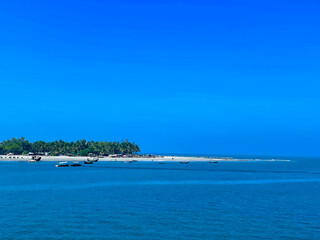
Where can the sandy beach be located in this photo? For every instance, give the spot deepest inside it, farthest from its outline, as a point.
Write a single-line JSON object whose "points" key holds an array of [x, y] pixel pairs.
{"points": [[142, 159]]}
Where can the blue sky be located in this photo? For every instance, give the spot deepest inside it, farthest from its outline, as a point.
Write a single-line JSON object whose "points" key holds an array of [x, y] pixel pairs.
{"points": [[193, 77]]}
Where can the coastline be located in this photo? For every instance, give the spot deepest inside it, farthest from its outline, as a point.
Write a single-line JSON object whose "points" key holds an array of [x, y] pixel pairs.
{"points": [[24, 158]]}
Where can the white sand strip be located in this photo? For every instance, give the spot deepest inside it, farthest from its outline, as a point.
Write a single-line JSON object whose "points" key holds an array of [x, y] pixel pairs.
{"points": [[164, 158]]}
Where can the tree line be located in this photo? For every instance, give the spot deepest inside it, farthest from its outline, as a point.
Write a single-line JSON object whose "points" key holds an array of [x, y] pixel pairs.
{"points": [[78, 148]]}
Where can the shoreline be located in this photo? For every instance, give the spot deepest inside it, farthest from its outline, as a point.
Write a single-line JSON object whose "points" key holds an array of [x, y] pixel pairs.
{"points": [[25, 158]]}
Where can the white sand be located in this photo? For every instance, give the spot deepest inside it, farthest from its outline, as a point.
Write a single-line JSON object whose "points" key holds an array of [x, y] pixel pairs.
{"points": [[164, 158]]}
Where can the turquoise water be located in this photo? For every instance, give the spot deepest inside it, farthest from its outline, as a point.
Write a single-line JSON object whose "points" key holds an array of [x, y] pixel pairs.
{"points": [[229, 200]]}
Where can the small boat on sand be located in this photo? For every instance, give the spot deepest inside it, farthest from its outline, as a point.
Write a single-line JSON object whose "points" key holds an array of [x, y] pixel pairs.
{"points": [[62, 164], [36, 158], [75, 164], [93, 159], [184, 162], [87, 162]]}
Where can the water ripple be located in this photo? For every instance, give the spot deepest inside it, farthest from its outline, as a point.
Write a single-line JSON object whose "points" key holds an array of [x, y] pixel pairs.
{"points": [[42, 187]]}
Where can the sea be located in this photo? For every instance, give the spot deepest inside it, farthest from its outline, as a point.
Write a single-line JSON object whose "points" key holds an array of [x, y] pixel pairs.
{"points": [[148, 200]]}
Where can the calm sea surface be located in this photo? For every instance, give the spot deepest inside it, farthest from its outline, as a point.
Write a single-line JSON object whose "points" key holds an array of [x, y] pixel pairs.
{"points": [[115, 200]]}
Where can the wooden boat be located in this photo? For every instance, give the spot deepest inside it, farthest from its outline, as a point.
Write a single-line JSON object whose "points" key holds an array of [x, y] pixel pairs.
{"points": [[62, 164], [36, 158], [87, 162], [93, 159], [184, 162], [75, 164]]}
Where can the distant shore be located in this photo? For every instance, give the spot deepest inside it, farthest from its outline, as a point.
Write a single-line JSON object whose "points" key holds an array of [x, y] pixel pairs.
{"points": [[142, 159]]}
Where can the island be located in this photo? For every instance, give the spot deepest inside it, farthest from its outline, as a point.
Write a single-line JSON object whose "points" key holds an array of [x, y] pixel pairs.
{"points": [[20, 149]]}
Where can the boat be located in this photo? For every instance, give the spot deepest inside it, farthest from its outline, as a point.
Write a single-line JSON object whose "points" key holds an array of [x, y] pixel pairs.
{"points": [[162, 163], [62, 164], [184, 162], [87, 162], [213, 161], [32, 160], [93, 159], [75, 164], [36, 158]]}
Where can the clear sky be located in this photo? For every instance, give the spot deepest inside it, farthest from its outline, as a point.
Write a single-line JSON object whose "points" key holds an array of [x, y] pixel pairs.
{"points": [[192, 76]]}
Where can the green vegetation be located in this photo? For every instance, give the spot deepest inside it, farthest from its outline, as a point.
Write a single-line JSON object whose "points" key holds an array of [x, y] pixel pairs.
{"points": [[78, 148]]}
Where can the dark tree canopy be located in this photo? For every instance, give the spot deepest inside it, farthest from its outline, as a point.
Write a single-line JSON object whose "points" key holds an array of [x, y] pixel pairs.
{"points": [[79, 148]]}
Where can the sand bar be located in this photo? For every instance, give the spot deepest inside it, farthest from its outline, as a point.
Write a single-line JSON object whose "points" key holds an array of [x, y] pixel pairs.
{"points": [[142, 159]]}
